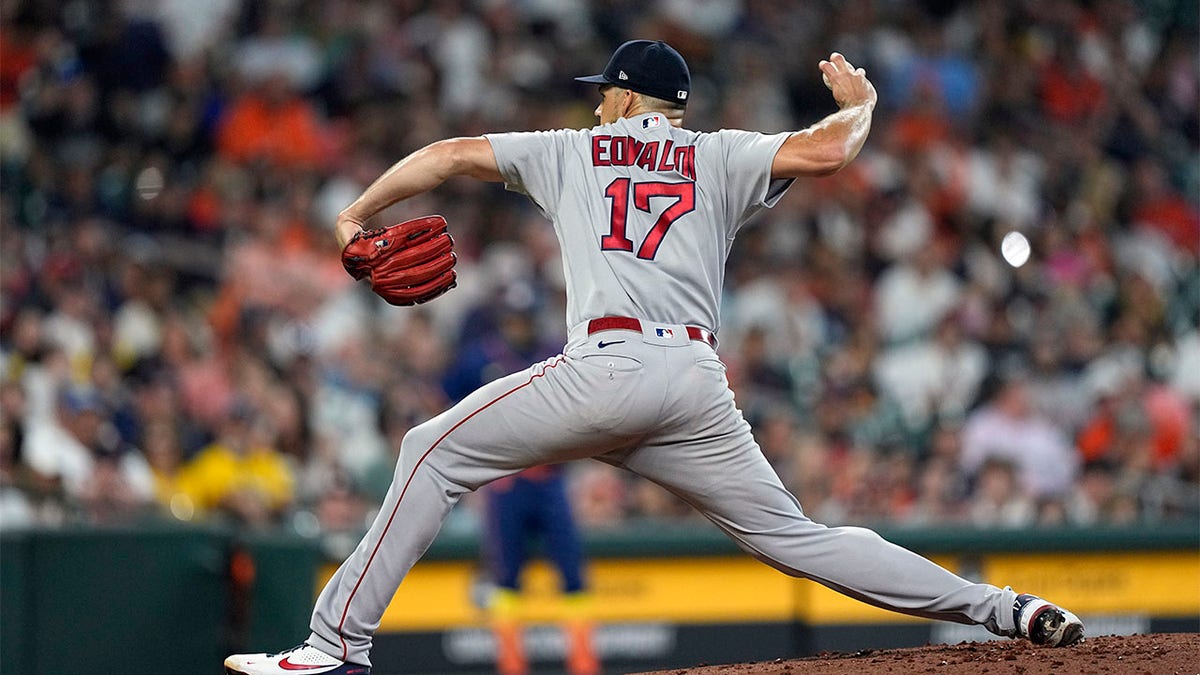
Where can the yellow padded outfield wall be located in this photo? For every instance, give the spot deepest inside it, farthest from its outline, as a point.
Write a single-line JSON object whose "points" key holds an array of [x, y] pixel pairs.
{"points": [[437, 595], [1162, 584]]}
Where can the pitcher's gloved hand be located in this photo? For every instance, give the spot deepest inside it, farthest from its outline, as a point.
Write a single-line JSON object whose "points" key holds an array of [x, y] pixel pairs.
{"points": [[408, 263]]}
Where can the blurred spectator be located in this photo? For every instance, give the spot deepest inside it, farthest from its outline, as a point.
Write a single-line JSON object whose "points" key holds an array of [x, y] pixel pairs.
{"points": [[1008, 429], [70, 327], [649, 501], [240, 475], [276, 49], [137, 323], [600, 496], [868, 418], [1186, 376], [1168, 495], [272, 125], [1003, 181], [1139, 425], [330, 498], [346, 408], [1056, 388], [1069, 93], [190, 29], [936, 377], [812, 477], [1161, 209], [940, 492], [935, 69], [160, 443], [783, 309], [913, 296], [776, 431], [17, 508], [459, 45], [81, 453], [1093, 497], [762, 379], [1000, 499]]}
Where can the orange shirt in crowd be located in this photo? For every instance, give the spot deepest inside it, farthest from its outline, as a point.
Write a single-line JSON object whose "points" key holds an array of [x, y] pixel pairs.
{"points": [[286, 134]]}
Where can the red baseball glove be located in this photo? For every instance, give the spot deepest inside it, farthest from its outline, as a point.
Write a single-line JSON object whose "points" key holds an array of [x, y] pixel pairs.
{"points": [[407, 263]]}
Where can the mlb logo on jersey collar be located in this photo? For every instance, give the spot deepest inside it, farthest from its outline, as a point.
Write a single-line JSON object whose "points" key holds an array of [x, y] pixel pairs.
{"points": [[651, 121], [665, 334]]}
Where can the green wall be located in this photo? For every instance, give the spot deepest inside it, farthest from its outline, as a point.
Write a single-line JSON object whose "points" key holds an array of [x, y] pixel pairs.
{"points": [[162, 599], [145, 600]]}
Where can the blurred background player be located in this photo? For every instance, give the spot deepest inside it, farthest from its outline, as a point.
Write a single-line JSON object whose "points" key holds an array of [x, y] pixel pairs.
{"points": [[523, 511], [528, 510]]}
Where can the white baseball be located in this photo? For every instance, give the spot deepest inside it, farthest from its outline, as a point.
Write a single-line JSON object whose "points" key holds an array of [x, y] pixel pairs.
{"points": [[1015, 249]]}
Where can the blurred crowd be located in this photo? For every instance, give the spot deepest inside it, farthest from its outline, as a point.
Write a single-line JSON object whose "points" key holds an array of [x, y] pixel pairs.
{"points": [[179, 340]]}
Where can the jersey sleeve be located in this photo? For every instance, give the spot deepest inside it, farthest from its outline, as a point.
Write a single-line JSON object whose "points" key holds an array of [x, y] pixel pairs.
{"points": [[531, 163], [748, 159]]}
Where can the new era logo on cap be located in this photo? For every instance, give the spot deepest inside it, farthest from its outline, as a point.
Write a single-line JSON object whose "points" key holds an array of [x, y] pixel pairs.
{"points": [[648, 67]]}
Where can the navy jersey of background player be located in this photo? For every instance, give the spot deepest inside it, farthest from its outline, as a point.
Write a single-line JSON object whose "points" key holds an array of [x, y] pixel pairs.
{"points": [[532, 505]]}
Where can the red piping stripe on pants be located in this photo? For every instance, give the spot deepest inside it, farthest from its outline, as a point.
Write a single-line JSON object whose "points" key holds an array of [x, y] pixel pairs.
{"points": [[346, 611]]}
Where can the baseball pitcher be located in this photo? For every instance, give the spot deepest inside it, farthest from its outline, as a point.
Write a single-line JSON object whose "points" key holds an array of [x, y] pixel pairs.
{"points": [[645, 211]]}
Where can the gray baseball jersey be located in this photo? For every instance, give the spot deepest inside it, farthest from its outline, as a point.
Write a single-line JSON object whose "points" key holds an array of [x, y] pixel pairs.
{"points": [[645, 214]]}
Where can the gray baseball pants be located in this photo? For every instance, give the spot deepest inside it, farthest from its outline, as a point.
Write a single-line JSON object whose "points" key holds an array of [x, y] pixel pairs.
{"points": [[658, 404]]}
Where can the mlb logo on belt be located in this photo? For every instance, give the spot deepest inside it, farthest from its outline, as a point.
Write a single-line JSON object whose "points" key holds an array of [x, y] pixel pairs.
{"points": [[664, 332]]}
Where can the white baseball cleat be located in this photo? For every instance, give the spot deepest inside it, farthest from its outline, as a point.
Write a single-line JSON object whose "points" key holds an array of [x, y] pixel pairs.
{"points": [[300, 659], [1044, 623]]}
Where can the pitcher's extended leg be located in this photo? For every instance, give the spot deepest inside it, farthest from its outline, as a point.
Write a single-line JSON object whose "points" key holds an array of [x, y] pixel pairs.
{"points": [[508, 425], [740, 492], [710, 460]]}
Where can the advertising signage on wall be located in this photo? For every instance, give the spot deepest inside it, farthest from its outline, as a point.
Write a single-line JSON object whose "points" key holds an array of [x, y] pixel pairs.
{"points": [[666, 612]]}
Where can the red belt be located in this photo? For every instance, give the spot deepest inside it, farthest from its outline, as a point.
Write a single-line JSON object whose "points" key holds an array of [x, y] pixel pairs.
{"points": [[627, 323]]}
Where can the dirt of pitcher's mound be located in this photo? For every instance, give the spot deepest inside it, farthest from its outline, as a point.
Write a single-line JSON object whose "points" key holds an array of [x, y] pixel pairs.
{"points": [[1156, 654]]}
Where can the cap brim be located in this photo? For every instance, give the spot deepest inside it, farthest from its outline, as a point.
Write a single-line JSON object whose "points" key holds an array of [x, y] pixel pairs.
{"points": [[592, 79]]}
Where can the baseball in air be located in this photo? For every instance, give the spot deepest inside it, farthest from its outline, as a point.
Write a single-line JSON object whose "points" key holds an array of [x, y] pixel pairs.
{"points": [[1015, 249]]}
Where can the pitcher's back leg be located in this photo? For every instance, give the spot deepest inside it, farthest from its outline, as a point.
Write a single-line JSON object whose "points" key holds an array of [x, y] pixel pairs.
{"points": [[715, 465]]}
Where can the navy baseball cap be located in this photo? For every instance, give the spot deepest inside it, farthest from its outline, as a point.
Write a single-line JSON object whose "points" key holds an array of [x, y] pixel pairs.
{"points": [[648, 67]]}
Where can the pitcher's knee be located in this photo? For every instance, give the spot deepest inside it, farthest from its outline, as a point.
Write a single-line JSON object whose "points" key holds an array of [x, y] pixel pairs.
{"points": [[415, 448], [849, 538], [458, 470], [858, 534]]}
